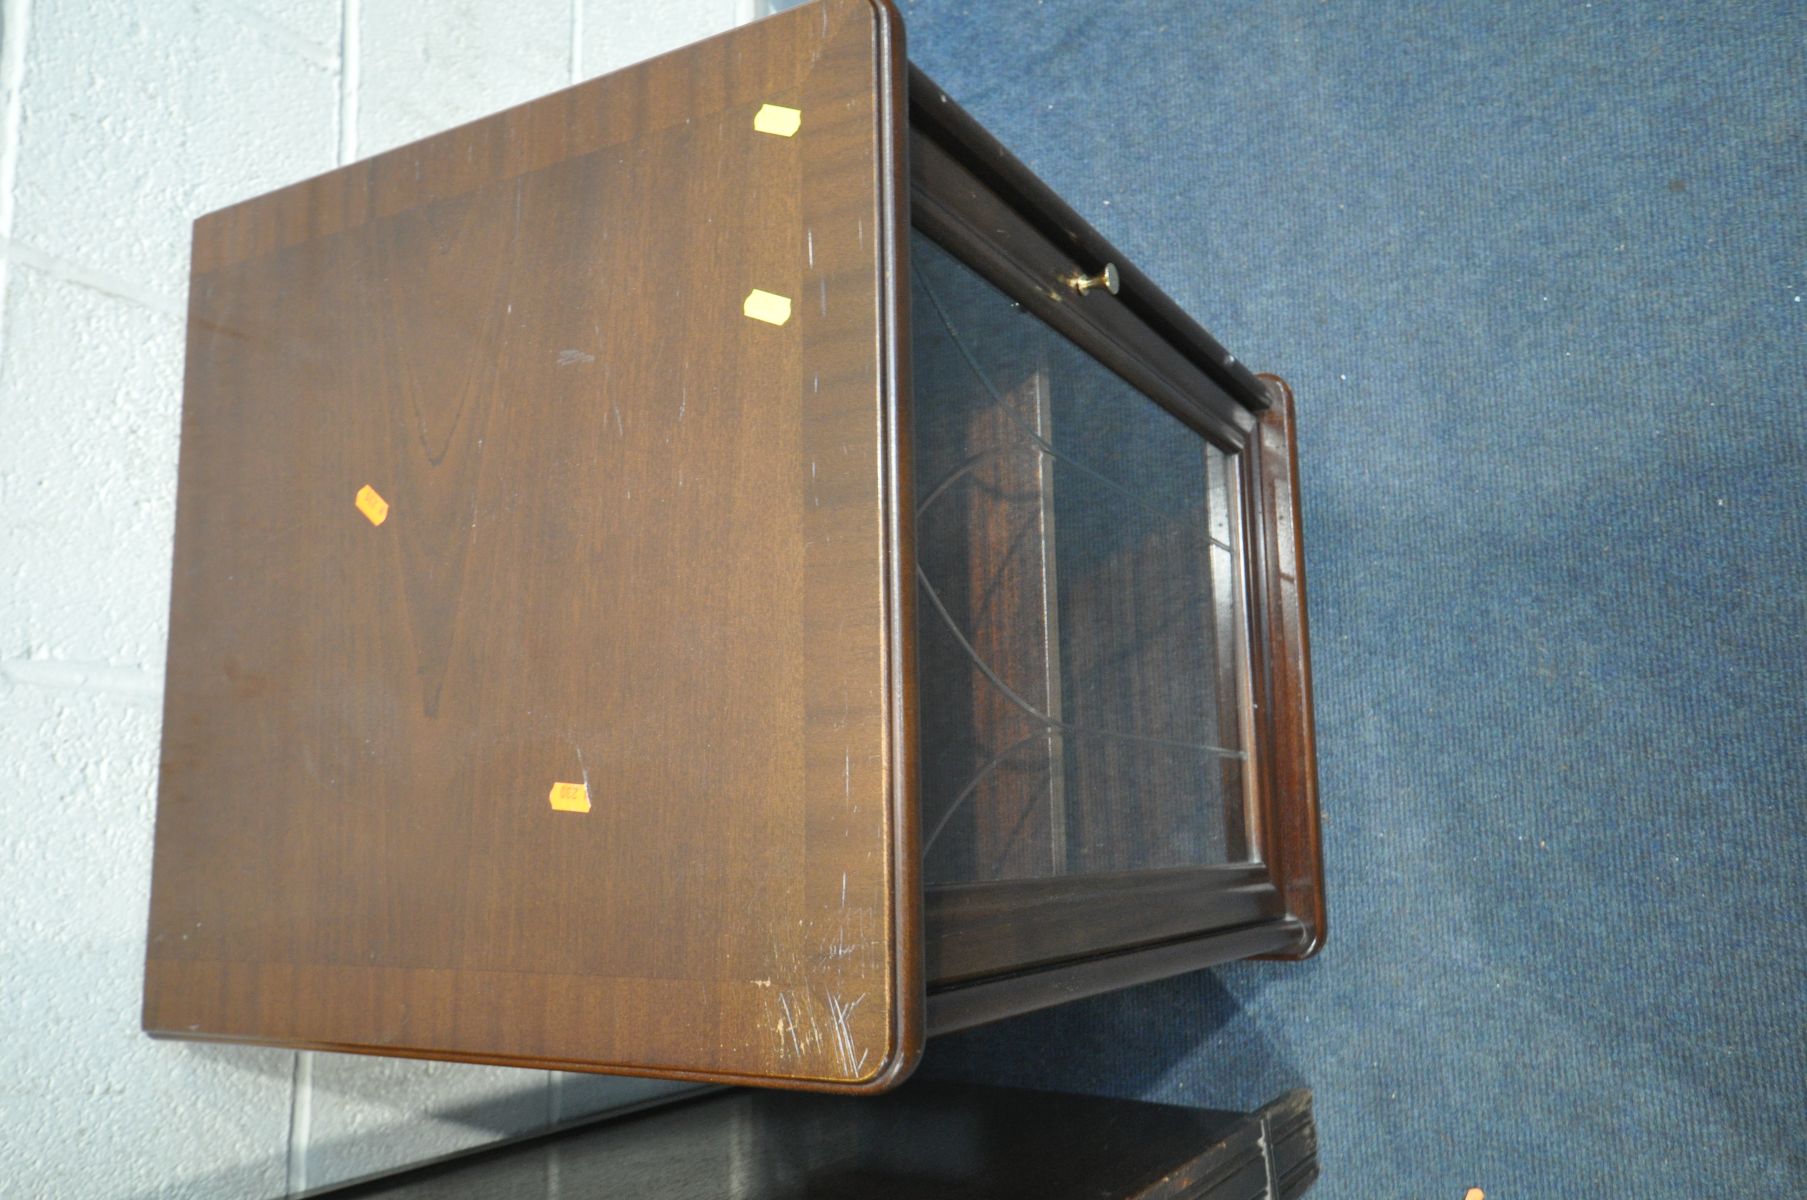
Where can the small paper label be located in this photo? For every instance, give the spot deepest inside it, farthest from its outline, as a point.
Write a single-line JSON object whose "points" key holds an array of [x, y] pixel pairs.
{"points": [[777, 119], [373, 506], [570, 797], [767, 306]]}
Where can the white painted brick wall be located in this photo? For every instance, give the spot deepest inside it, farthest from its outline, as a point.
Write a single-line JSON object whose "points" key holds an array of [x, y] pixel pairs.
{"points": [[120, 122]]}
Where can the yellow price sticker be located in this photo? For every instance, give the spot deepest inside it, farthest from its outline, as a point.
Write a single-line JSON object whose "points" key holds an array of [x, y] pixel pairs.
{"points": [[765, 306], [778, 120], [570, 797], [373, 506]]}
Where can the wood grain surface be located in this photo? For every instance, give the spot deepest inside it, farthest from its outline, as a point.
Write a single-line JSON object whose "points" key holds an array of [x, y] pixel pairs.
{"points": [[637, 543]]}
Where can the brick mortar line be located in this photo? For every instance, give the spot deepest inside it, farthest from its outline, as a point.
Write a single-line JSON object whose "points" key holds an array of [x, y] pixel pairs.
{"points": [[350, 78], [99, 281], [81, 676], [15, 24], [577, 41], [15, 29]]}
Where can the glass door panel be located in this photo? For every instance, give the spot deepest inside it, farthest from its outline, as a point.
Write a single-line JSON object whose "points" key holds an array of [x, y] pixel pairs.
{"points": [[1082, 655]]}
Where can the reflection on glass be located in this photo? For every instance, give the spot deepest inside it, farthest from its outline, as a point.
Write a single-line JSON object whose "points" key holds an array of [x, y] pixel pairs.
{"points": [[1079, 607]]}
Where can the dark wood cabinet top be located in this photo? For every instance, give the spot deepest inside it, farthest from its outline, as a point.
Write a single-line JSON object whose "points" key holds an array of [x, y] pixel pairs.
{"points": [[539, 635], [925, 1141]]}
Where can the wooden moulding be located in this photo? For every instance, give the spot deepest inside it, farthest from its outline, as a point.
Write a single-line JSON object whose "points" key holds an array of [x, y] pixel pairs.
{"points": [[1291, 839]]}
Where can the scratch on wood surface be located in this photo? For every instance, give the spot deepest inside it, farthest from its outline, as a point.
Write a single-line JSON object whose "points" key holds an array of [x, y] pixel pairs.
{"points": [[570, 358], [843, 1032], [815, 1030], [790, 1025]]}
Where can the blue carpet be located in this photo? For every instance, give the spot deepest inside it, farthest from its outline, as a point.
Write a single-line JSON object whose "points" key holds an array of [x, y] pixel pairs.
{"points": [[1537, 273]]}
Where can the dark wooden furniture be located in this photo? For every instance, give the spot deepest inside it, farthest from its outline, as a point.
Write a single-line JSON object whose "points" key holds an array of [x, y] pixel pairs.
{"points": [[924, 1141], [588, 650]]}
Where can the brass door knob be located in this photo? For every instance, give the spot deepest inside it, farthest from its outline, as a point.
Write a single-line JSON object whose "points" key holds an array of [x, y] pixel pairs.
{"points": [[1106, 279]]}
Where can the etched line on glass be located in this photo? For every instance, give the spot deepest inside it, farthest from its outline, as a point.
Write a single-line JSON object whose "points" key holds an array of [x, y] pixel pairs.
{"points": [[1042, 717], [928, 843], [1010, 415]]}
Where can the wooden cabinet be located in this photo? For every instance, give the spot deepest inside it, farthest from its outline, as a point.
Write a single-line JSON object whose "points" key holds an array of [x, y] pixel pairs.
{"points": [[925, 1141], [715, 573]]}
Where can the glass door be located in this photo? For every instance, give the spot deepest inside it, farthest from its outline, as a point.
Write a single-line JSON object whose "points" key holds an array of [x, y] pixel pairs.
{"points": [[1083, 662]]}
